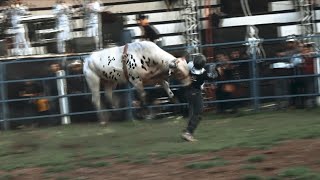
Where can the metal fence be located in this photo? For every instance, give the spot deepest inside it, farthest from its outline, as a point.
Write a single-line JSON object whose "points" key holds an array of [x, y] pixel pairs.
{"points": [[260, 86]]}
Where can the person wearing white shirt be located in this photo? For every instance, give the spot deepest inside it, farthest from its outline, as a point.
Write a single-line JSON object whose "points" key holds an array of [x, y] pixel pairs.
{"points": [[61, 10], [93, 9], [21, 44]]}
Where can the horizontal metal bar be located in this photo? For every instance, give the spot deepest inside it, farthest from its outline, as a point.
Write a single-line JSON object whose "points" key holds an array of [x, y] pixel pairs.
{"points": [[28, 59], [172, 86], [156, 106]]}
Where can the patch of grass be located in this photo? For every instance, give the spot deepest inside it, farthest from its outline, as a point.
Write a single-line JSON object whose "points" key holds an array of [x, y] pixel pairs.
{"points": [[248, 167], [294, 172], [123, 160], [216, 158], [6, 177], [94, 164], [93, 154], [301, 173], [63, 178], [256, 159], [56, 146], [82, 178], [11, 167], [61, 168], [206, 164], [273, 178], [143, 160], [251, 177]]}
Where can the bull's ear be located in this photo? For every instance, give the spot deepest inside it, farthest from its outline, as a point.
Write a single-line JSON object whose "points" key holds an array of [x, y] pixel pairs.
{"points": [[173, 64]]}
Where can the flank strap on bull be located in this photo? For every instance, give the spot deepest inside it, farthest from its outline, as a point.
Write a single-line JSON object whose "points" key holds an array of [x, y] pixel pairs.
{"points": [[124, 57]]}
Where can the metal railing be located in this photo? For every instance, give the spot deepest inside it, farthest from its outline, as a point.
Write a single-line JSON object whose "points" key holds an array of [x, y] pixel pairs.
{"points": [[253, 86]]}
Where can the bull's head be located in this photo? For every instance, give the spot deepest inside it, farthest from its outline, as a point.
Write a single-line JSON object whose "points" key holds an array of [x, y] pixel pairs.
{"points": [[180, 71]]}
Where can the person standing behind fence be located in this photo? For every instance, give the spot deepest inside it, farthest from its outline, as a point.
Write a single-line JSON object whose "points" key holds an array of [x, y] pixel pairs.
{"points": [[15, 13], [92, 10], [62, 11], [226, 90], [30, 90], [43, 109], [194, 94], [286, 86], [52, 89], [304, 65], [149, 32]]}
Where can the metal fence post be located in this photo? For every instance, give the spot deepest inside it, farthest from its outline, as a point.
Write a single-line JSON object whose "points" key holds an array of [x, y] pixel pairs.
{"points": [[253, 47], [4, 96], [63, 101], [317, 82], [255, 81]]}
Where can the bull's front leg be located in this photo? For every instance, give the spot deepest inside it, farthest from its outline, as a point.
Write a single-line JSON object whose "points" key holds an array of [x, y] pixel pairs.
{"points": [[166, 87], [137, 83]]}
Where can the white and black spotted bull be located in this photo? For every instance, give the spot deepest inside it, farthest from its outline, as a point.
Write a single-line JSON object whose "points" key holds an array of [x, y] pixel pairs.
{"points": [[141, 63]]}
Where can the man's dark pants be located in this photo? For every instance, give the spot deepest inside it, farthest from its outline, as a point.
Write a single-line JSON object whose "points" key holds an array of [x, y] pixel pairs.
{"points": [[195, 101]]}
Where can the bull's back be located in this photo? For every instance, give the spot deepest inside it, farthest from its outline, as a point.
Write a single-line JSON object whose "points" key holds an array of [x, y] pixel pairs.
{"points": [[107, 64], [143, 61]]}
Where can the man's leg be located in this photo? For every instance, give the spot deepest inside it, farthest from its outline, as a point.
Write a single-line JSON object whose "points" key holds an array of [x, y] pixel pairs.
{"points": [[197, 106], [195, 110]]}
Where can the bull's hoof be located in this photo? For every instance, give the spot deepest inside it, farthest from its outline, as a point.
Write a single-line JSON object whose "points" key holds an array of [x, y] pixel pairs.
{"points": [[174, 100]]}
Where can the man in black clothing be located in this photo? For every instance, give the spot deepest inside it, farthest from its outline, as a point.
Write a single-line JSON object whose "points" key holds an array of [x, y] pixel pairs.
{"points": [[149, 32], [194, 93]]}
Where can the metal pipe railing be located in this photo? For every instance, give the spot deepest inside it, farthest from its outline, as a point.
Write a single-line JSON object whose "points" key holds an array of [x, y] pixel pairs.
{"points": [[254, 81]]}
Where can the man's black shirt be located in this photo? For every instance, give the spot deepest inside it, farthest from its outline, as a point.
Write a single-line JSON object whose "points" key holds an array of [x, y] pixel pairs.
{"points": [[198, 79], [150, 33]]}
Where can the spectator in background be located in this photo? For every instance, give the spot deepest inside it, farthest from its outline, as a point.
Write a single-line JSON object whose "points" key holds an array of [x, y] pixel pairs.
{"points": [[225, 91], [15, 13], [149, 32], [292, 47], [62, 11], [304, 65], [93, 9], [39, 106], [30, 89], [236, 56], [76, 85], [43, 109], [286, 86], [52, 89]]}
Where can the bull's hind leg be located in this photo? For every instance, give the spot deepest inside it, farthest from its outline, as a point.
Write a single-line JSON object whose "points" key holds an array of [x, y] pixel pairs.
{"points": [[93, 81], [108, 87]]}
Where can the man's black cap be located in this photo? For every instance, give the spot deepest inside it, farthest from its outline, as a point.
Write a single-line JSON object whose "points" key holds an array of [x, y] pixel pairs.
{"points": [[142, 16]]}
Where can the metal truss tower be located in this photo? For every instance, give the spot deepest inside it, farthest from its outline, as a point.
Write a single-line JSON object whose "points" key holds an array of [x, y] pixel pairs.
{"points": [[306, 10], [190, 15]]}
